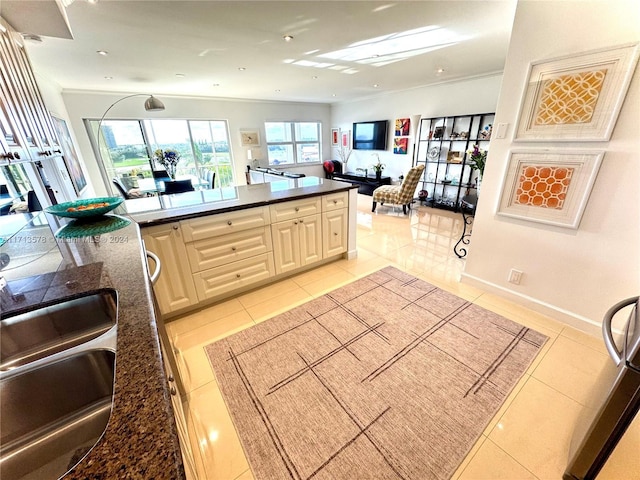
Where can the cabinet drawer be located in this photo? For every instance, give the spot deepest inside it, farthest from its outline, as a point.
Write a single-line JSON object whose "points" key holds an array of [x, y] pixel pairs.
{"points": [[220, 280], [295, 209], [335, 201], [216, 251], [224, 223]]}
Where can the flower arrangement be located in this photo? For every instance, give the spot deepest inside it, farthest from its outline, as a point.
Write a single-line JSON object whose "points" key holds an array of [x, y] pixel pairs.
{"points": [[344, 153], [378, 167], [477, 159], [169, 159]]}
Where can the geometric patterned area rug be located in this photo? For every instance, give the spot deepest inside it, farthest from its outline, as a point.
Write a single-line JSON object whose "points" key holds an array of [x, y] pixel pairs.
{"points": [[388, 377]]}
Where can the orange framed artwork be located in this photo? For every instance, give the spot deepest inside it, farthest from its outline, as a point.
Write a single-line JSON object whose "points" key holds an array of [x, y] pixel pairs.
{"points": [[578, 97], [549, 187]]}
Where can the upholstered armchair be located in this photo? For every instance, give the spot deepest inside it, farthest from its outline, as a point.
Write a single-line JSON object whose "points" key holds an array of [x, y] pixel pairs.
{"points": [[399, 194]]}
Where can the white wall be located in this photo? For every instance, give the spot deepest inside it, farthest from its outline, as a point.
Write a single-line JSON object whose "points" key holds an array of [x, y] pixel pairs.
{"points": [[574, 275], [478, 95], [240, 114]]}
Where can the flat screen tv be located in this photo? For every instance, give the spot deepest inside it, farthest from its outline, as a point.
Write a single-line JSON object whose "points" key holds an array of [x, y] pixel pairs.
{"points": [[370, 135]]}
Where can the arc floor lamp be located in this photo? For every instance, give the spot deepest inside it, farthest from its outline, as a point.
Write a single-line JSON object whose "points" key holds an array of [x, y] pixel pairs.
{"points": [[151, 104]]}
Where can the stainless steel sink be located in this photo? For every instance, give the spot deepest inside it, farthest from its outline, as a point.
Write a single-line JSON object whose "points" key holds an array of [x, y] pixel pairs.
{"points": [[52, 415], [56, 384], [40, 333]]}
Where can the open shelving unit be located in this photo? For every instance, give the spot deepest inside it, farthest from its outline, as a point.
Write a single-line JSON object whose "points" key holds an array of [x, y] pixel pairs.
{"points": [[442, 147]]}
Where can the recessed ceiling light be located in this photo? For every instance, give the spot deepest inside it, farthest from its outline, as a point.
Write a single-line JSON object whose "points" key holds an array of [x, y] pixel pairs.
{"points": [[440, 70], [315, 77], [333, 94], [108, 78], [375, 85], [102, 52], [180, 75], [287, 38], [216, 85], [242, 69], [278, 91]]}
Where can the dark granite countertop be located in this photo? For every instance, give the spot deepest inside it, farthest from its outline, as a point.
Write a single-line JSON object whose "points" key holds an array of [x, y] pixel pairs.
{"points": [[140, 440], [169, 208]]}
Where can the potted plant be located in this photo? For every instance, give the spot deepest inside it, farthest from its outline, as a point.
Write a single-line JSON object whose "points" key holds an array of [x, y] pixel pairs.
{"points": [[477, 161], [378, 167]]}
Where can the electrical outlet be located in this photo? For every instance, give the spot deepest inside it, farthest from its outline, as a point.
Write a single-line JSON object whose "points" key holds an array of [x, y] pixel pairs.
{"points": [[515, 276]]}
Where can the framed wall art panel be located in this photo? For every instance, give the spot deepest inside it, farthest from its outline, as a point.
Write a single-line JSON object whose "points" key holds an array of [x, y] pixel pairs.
{"points": [[549, 187], [578, 97], [335, 137], [70, 156]]}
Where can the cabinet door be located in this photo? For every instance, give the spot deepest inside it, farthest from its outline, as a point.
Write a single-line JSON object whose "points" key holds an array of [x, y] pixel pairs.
{"points": [[175, 288], [286, 246], [310, 239], [334, 231]]}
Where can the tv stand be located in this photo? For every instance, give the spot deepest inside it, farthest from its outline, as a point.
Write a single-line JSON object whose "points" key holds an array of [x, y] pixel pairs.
{"points": [[366, 183]]}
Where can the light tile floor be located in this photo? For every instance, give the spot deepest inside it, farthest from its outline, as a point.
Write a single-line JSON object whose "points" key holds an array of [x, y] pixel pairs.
{"points": [[529, 438]]}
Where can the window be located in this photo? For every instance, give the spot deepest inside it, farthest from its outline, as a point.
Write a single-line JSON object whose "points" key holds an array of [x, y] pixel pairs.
{"points": [[127, 147], [290, 143]]}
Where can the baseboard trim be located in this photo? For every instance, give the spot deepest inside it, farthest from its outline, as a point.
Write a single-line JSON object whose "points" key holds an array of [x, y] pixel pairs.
{"points": [[572, 319]]}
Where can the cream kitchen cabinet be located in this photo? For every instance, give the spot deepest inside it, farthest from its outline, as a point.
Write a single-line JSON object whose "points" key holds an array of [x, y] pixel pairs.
{"points": [[334, 223], [334, 231], [219, 281], [229, 252], [297, 242], [174, 289]]}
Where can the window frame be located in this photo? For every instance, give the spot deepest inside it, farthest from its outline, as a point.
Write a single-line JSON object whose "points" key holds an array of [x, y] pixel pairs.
{"points": [[294, 144]]}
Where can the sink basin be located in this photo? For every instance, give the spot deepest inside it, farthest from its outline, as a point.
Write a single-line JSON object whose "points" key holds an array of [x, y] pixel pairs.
{"points": [[40, 333], [51, 415]]}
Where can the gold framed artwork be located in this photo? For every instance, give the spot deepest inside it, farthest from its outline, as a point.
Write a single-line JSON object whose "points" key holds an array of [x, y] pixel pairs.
{"points": [[578, 97], [549, 187], [249, 138]]}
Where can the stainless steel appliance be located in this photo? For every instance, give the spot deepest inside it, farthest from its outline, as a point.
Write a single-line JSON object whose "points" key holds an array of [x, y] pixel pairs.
{"points": [[619, 391]]}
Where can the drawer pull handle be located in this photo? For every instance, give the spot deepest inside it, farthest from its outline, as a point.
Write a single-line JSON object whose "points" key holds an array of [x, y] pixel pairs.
{"points": [[173, 390], [297, 209], [237, 275], [335, 202], [233, 249], [175, 227], [295, 223], [335, 233], [229, 222], [301, 220]]}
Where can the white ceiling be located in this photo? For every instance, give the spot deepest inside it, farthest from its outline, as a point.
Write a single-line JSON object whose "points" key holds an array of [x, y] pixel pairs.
{"points": [[150, 42]]}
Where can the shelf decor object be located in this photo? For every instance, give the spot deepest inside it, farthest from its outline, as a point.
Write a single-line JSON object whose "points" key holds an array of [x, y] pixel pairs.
{"points": [[549, 187], [443, 145], [577, 97]]}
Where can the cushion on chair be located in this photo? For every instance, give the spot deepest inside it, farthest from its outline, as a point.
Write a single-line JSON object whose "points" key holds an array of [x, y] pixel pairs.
{"points": [[399, 194]]}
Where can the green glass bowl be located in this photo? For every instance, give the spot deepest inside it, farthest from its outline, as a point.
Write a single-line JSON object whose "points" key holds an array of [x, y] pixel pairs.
{"points": [[75, 209]]}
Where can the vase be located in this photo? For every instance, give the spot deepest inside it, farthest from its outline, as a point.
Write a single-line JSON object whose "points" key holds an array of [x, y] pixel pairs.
{"points": [[478, 183], [378, 176]]}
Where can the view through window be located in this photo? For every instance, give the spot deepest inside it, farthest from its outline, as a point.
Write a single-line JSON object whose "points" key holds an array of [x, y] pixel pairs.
{"points": [[290, 143], [127, 148]]}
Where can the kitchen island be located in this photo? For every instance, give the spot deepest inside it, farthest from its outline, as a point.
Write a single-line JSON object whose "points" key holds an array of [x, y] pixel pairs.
{"points": [[141, 439]]}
